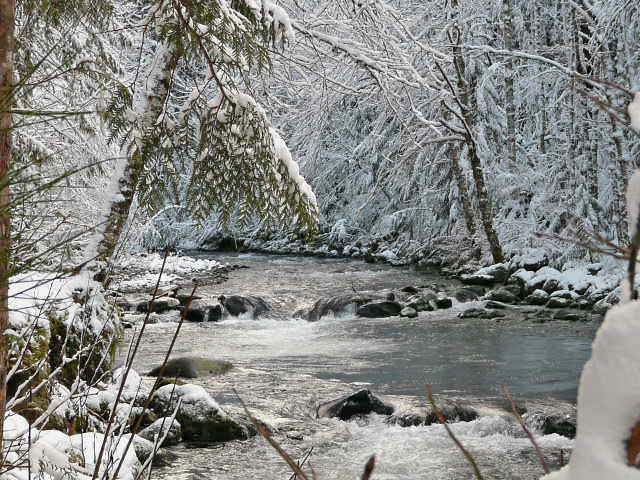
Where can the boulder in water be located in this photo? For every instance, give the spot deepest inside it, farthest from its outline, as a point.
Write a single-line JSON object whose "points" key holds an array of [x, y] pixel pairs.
{"points": [[200, 416], [360, 403], [452, 412], [191, 367], [338, 305], [161, 426], [237, 305], [379, 309]]}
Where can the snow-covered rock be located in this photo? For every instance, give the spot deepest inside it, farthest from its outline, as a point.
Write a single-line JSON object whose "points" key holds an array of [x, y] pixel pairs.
{"points": [[200, 416], [488, 275], [158, 428]]}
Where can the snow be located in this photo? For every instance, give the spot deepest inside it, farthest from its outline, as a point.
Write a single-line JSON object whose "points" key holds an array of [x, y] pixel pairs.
{"points": [[14, 427], [196, 401], [608, 402], [175, 264], [633, 201], [634, 112], [90, 444]]}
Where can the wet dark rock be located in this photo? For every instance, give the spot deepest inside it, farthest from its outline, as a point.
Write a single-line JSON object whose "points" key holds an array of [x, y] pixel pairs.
{"points": [[570, 316], [408, 312], [379, 309], [477, 279], [501, 295], [559, 418], [467, 294], [551, 285], [555, 302], [496, 305], [360, 403], [337, 306], [564, 294], [160, 305], [452, 411], [538, 297], [410, 290], [601, 307], [237, 305], [191, 367], [443, 302], [481, 313], [215, 313], [199, 311], [422, 302]]}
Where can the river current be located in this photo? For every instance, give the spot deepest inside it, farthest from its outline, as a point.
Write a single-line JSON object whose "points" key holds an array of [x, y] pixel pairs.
{"points": [[285, 367]]}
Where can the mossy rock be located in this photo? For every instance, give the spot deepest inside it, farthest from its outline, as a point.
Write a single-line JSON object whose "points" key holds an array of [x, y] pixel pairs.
{"points": [[34, 370], [98, 360], [192, 367]]}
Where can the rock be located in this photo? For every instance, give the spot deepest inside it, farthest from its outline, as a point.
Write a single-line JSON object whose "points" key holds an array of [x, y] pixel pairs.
{"points": [[495, 305], [466, 294], [542, 276], [538, 297], [452, 411], [410, 290], [594, 268], [532, 260], [501, 295], [556, 302], [473, 312], [551, 285], [198, 311], [131, 304], [422, 301], [200, 416], [520, 277], [338, 305], [160, 427], [359, 403], [601, 306], [477, 279], [559, 418], [160, 305], [408, 312], [570, 316], [568, 294], [443, 302], [481, 313], [498, 273], [379, 309], [237, 305], [191, 367]]}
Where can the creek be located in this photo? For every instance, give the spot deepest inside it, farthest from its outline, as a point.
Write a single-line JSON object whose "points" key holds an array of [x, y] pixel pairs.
{"points": [[285, 367]]}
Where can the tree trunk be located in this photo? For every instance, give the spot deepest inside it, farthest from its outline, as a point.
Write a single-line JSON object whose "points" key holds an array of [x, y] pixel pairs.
{"points": [[510, 104], [463, 191], [150, 103], [7, 23]]}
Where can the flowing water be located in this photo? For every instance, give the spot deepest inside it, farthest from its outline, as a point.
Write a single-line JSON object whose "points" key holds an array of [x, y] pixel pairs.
{"points": [[284, 367]]}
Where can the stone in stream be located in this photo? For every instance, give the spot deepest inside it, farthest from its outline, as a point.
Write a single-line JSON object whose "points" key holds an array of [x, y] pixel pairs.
{"points": [[570, 315], [498, 273], [483, 313], [379, 309], [558, 418], [360, 403], [191, 367], [161, 426], [537, 297], [422, 302], [408, 312], [557, 302], [237, 305], [160, 305], [452, 411], [338, 305], [443, 302], [501, 295], [467, 294], [200, 416]]}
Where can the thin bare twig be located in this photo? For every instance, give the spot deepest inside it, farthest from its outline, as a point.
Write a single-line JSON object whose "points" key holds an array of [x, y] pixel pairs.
{"points": [[276, 446], [368, 468], [443, 420], [545, 467]]}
